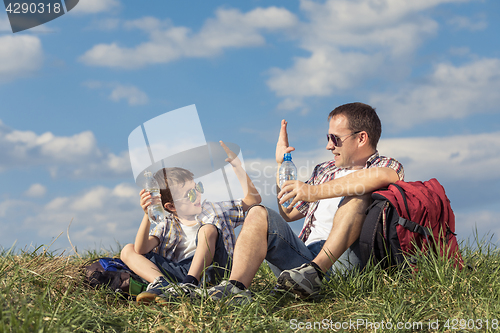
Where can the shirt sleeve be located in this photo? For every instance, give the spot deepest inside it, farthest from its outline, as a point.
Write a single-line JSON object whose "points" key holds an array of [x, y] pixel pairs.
{"points": [[303, 206], [223, 212], [388, 162], [161, 229], [235, 212]]}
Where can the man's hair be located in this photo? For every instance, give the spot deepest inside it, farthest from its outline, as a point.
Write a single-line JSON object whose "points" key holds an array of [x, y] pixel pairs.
{"points": [[167, 177], [360, 117]]}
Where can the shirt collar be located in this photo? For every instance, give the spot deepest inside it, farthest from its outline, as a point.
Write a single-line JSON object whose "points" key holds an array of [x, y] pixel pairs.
{"points": [[372, 159]]}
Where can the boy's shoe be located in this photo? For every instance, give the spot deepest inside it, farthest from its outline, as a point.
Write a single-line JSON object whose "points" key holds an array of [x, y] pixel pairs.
{"points": [[154, 289], [302, 281], [180, 290], [226, 289]]}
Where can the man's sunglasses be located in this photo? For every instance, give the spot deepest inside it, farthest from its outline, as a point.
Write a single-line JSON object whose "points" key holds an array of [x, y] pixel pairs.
{"points": [[336, 139], [192, 195]]}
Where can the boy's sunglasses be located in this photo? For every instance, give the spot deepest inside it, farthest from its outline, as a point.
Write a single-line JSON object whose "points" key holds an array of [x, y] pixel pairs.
{"points": [[192, 195], [336, 139]]}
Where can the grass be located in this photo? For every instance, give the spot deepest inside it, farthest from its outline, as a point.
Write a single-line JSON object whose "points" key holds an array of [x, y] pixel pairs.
{"points": [[43, 292]]}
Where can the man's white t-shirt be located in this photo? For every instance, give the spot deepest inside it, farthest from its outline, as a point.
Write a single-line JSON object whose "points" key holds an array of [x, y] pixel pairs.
{"points": [[323, 216], [187, 246]]}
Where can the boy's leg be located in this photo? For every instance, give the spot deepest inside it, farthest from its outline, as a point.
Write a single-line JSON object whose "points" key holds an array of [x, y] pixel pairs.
{"points": [[205, 250], [152, 265], [139, 264]]}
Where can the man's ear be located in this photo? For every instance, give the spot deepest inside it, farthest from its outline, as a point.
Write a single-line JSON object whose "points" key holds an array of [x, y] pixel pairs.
{"points": [[363, 138], [170, 206]]}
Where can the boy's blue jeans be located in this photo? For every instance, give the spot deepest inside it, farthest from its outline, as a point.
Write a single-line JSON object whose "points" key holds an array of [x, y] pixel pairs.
{"points": [[177, 271], [285, 250]]}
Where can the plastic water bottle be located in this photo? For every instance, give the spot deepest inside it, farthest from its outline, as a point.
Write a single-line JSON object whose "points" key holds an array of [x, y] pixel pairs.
{"points": [[155, 209], [288, 171]]}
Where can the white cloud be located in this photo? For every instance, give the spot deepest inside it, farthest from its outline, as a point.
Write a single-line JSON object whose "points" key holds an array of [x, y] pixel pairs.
{"points": [[326, 71], [449, 92], [482, 224], [74, 156], [99, 215], [118, 92], [474, 156], [351, 42], [229, 29], [19, 56], [466, 23], [36, 190], [133, 95], [95, 6]]}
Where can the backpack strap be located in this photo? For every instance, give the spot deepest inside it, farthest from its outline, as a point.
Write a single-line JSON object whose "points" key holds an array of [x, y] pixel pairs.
{"points": [[371, 226], [415, 227], [408, 224], [403, 195]]}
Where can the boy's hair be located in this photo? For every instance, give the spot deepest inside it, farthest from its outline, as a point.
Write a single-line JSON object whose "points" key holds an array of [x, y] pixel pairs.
{"points": [[171, 176], [360, 117]]}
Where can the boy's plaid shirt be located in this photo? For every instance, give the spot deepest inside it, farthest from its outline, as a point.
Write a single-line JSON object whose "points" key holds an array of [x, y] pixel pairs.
{"points": [[327, 171], [225, 215]]}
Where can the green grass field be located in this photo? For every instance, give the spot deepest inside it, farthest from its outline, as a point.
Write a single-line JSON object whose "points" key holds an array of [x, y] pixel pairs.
{"points": [[44, 292]]}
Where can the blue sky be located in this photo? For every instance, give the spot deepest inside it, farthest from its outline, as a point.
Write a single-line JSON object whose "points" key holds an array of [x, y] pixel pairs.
{"points": [[72, 91]]}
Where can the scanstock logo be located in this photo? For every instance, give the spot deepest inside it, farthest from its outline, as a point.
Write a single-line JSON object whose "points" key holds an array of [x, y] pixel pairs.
{"points": [[28, 14]]}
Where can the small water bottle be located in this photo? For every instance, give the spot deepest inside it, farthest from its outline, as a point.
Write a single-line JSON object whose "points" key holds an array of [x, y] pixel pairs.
{"points": [[288, 171], [155, 209]]}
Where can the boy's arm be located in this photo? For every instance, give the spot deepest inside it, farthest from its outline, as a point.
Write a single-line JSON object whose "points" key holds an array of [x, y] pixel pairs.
{"points": [[252, 196], [143, 241]]}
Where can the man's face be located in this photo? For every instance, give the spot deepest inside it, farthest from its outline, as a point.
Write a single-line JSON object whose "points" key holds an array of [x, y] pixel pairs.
{"points": [[345, 152], [183, 205]]}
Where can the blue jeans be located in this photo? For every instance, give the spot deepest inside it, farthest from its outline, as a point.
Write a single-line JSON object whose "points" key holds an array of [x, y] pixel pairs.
{"points": [[285, 250], [177, 271]]}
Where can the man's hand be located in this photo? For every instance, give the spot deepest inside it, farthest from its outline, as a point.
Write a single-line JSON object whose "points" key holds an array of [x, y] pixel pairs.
{"points": [[231, 156], [282, 146], [297, 190]]}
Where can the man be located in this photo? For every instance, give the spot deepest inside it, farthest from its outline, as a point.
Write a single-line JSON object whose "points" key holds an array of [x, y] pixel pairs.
{"points": [[333, 202]]}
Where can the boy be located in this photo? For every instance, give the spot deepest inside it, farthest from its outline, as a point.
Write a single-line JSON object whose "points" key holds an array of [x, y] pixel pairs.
{"points": [[194, 235]]}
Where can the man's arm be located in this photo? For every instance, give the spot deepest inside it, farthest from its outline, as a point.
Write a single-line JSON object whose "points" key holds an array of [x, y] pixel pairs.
{"points": [[282, 148], [252, 196], [354, 184], [291, 216]]}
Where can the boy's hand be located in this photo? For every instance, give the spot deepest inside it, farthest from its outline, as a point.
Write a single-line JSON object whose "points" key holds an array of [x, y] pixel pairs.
{"points": [[282, 146], [231, 156], [145, 200]]}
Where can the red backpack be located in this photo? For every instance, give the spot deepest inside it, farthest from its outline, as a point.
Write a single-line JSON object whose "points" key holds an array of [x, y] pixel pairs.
{"points": [[405, 217]]}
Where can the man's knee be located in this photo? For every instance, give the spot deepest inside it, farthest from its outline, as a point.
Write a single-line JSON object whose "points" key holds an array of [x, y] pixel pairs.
{"points": [[257, 213], [356, 203]]}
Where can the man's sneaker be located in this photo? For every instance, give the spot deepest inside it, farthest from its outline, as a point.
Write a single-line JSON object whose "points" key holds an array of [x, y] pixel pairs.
{"points": [[226, 289], [154, 289], [302, 281]]}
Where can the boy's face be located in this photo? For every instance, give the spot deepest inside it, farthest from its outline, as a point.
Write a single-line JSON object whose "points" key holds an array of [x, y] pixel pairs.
{"points": [[183, 205]]}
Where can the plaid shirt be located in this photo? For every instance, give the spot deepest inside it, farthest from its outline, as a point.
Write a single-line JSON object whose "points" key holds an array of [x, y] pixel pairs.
{"points": [[225, 215], [327, 171]]}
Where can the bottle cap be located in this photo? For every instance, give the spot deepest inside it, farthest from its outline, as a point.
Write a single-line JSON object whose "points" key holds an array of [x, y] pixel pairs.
{"points": [[287, 157]]}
